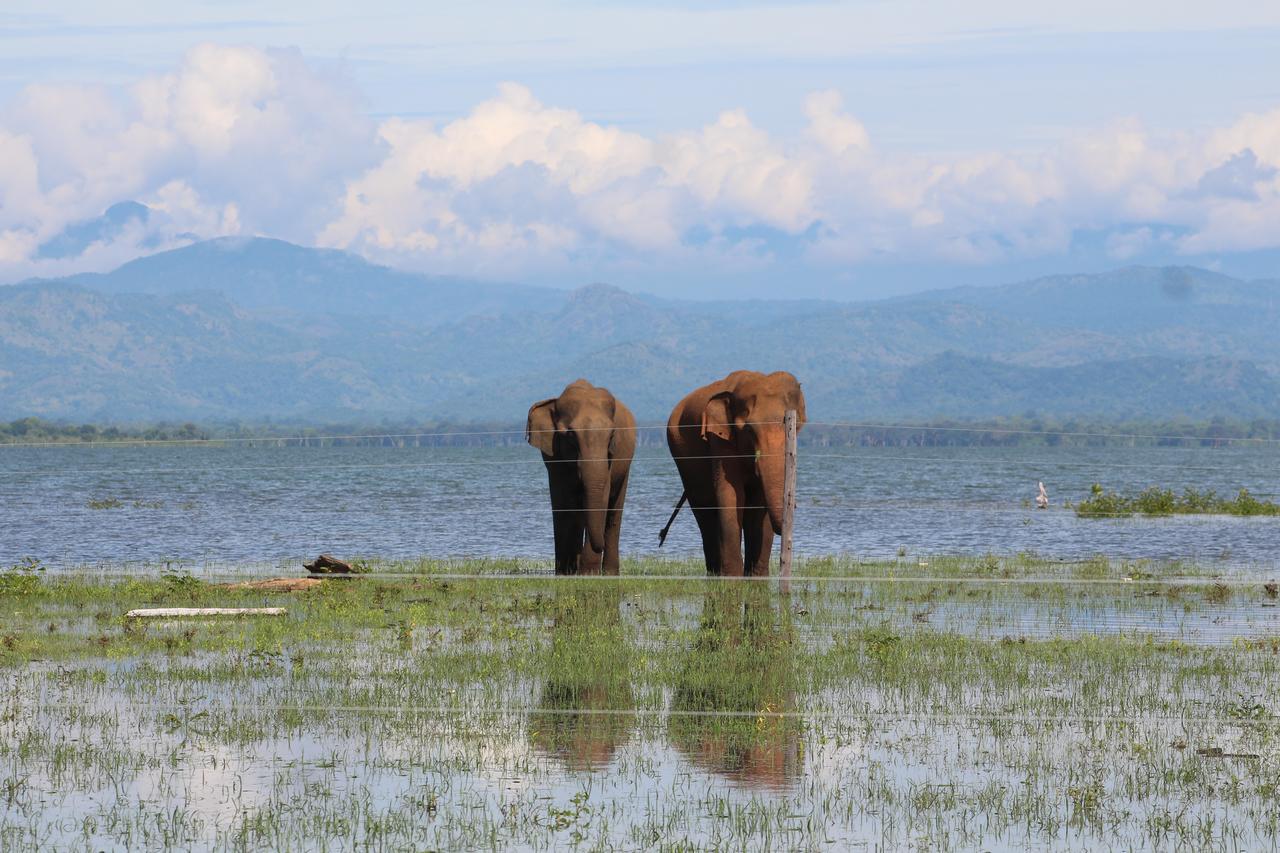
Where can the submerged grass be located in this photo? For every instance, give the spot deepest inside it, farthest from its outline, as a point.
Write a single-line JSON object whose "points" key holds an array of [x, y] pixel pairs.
{"points": [[671, 712]]}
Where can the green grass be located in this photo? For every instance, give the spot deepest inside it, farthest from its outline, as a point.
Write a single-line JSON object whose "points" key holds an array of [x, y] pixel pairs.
{"points": [[1159, 501], [977, 706]]}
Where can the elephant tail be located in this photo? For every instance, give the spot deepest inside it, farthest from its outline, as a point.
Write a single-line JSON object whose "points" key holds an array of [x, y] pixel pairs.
{"points": [[662, 535]]}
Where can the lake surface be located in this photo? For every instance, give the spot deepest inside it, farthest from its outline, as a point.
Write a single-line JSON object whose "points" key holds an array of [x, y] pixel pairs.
{"points": [[218, 505]]}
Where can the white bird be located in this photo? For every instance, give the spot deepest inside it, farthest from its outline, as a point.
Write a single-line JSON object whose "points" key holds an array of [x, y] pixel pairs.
{"points": [[1042, 499]]}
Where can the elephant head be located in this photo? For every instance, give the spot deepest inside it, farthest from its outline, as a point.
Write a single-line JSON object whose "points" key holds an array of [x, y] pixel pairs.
{"points": [[744, 420], [578, 429]]}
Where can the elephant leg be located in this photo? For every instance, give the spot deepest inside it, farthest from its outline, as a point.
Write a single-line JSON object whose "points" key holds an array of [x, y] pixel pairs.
{"points": [[573, 533], [730, 498], [566, 521], [697, 477], [731, 541], [613, 526], [758, 532], [708, 518]]}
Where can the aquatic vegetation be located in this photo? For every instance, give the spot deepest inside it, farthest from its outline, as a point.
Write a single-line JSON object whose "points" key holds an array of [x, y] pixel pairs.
{"points": [[1158, 501], [993, 702], [22, 578]]}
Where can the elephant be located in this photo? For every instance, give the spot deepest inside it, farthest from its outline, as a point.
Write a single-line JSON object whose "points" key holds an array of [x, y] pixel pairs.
{"points": [[728, 443], [587, 438]]}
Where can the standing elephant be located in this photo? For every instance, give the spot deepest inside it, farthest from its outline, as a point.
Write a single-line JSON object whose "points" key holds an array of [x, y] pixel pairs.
{"points": [[727, 440], [587, 438]]}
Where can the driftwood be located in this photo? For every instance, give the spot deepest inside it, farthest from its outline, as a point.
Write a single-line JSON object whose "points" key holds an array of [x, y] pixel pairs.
{"points": [[178, 612], [326, 565], [275, 584]]}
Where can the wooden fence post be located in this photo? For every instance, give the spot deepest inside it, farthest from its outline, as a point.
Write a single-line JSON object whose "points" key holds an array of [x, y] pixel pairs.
{"points": [[788, 498]]}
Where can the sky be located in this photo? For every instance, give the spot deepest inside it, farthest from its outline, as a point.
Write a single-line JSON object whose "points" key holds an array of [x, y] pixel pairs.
{"points": [[830, 149]]}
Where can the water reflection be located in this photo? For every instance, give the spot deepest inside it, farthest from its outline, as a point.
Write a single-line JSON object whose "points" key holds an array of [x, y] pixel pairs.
{"points": [[741, 661], [582, 717]]}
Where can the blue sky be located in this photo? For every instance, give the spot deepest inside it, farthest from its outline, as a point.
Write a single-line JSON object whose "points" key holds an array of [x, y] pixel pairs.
{"points": [[837, 149]]}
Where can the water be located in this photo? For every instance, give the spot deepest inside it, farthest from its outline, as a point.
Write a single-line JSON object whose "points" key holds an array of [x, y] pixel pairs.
{"points": [[380, 742], [239, 504]]}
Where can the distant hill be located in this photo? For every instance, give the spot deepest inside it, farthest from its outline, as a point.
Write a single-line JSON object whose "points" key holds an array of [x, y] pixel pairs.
{"points": [[281, 279], [1139, 310], [252, 329]]}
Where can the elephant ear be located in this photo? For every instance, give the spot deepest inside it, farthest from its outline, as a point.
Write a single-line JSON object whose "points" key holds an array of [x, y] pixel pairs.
{"points": [[717, 419], [540, 429], [800, 413]]}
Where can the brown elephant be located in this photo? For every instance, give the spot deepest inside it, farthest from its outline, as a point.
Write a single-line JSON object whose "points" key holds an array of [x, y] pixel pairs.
{"points": [[587, 438], [728, 443]]}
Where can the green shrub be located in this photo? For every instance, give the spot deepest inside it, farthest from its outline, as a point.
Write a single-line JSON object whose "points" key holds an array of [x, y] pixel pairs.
{"points": [[1154, 501], [23, 578]]}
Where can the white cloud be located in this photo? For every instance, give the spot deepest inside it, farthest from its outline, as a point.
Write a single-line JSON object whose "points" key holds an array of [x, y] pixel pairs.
{"points": [[600, 187], [243, 141], [834, 129], [1125, 245], [737, 170], [185, 212], [260, 138]]}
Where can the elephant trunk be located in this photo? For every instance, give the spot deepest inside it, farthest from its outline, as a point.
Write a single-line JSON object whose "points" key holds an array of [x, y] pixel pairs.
{"points": [[594, 472], [771, 468]]}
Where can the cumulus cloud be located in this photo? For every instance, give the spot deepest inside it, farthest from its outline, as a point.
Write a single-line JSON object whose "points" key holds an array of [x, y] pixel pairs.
{"points": [[833, 128], [242, 141], [551, 183], [232, 138], [1239, 178]]}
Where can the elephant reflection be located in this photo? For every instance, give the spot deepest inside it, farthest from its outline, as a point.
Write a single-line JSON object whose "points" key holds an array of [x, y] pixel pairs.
{"points": [[584, 713], [742, 663]]}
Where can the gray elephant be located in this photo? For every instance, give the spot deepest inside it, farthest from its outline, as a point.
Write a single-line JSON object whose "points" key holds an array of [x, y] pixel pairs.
{"points": [[587, 438]]}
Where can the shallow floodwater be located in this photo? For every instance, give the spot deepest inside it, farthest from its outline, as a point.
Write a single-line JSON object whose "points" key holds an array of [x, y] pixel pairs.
{"points": [[240, 504], [305, 747]]}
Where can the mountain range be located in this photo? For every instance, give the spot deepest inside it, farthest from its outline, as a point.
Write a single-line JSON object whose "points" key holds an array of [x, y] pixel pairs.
{"points": [[254, 329]]}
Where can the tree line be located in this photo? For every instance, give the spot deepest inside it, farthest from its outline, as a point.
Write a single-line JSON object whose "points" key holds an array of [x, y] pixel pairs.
{"points": [[1021, 431]]}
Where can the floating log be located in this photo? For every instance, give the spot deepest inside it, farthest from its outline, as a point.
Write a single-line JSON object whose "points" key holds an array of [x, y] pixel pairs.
{"points": [[327, 565], [180, 612]]}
